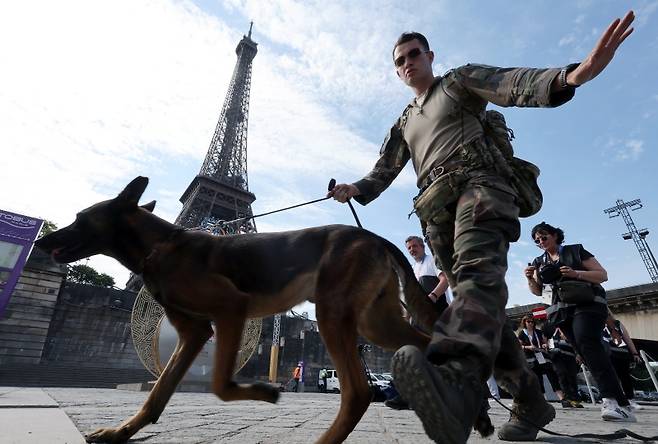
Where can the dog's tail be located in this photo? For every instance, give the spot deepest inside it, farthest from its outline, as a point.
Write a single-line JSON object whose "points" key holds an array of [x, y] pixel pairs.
{"points": [[416, 301]]}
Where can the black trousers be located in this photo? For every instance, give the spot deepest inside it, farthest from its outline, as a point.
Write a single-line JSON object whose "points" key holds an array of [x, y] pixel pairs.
{"points": [[622, 365], [567, 371], [546, 369], [584, 331]]}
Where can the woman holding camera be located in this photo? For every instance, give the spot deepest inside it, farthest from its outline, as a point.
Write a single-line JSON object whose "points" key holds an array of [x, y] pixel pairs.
{"points": [[579, 309]]}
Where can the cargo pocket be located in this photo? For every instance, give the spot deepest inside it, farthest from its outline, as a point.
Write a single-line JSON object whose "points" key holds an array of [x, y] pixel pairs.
{"points": [[491, 204], [441, 193]]}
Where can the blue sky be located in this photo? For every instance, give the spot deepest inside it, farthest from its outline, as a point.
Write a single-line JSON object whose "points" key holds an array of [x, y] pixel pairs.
{"points": [[94, 93]]}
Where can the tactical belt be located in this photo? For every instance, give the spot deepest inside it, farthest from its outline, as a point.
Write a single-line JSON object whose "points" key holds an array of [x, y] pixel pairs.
{"points": [[439, 170]]}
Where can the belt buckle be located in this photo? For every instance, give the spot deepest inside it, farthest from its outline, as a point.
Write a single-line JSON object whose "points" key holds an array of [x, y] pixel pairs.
{"points": [[436, 172]]}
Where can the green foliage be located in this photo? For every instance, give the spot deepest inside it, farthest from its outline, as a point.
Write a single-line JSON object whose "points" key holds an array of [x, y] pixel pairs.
{"points": [[47, 228], [84, 274]]}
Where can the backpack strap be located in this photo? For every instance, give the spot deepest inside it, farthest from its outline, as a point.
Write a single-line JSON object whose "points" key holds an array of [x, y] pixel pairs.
{"points": [[451, 76]]}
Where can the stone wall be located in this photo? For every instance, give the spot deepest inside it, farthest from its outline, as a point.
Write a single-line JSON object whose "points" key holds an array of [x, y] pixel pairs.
{"points": [[56, 333], [26, 320], [90, 327]]}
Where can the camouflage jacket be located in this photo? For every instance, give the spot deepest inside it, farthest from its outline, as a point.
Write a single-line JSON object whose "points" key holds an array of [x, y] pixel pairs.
{"points": [[432, 128]]}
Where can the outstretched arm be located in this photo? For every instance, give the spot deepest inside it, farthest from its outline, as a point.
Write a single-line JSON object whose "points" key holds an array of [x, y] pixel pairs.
{"points": [[602, 53]]}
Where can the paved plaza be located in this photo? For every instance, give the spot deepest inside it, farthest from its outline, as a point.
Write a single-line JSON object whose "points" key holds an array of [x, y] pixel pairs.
{"points": [[202, 418]]}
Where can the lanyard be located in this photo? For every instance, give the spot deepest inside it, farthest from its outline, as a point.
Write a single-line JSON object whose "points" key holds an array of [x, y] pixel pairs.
{"points": [[534, 337], [547, 257]]}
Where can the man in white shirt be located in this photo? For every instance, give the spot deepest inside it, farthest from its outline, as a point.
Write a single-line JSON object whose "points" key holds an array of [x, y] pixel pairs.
{"points": [[424, 267], [435, 283]]}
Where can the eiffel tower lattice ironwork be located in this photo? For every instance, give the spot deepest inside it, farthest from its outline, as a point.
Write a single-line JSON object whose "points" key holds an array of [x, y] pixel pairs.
{"points": [[221, 190]]}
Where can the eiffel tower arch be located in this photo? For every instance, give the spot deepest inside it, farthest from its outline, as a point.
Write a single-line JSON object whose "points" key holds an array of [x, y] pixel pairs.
{"points": [[220, 192]]}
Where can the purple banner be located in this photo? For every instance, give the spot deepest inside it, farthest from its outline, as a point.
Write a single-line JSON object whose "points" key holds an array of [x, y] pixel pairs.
{"points": [[17, 234]]}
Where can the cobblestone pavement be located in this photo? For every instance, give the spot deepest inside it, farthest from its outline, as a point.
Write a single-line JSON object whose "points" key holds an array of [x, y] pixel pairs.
{"points": [[297, 418]]}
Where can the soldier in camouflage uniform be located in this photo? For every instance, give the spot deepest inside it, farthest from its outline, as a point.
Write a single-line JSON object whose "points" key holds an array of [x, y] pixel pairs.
{"points": [[470, 217]]}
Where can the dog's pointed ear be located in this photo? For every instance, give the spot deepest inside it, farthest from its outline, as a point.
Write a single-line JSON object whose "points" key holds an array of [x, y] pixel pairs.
{"points": [[149, 206], [134, 190]]}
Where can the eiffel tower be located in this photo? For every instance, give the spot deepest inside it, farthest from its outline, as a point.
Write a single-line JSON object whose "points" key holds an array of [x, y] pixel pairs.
{"points": [[221, 190]]}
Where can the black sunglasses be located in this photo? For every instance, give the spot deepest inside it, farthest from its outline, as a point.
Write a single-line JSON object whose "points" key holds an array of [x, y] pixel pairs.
{"points": [[411, 54], [542, 238]]}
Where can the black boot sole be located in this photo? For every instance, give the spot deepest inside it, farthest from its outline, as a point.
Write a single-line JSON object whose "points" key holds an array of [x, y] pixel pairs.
{"points": [[415, 383]]}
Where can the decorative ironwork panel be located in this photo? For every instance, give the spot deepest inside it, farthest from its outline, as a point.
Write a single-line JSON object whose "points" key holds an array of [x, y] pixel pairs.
{"points": [[146, 323]]}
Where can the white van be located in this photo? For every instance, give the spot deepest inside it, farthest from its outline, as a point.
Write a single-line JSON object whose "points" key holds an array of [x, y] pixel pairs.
{"points": [[333, 385], [379, 380]]}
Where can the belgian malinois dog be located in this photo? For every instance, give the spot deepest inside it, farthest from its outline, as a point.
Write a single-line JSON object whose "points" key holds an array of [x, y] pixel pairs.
{"points": [[352, 275]]}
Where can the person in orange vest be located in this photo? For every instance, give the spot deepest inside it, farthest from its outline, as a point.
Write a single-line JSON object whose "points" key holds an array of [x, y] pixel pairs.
{"points": [[296, 374]]}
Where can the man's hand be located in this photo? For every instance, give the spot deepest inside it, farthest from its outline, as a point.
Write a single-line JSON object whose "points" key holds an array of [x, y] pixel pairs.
{"points": [[343, 192], [603, 52]]}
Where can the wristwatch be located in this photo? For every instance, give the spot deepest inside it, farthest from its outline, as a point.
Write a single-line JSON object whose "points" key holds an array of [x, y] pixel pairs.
{"points": [[562, 77]]}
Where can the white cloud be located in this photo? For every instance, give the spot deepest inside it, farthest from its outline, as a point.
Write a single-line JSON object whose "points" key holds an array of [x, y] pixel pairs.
{"points": [[624, 150], [630, 150], [90, 102], [567, 40], [645, 12]]}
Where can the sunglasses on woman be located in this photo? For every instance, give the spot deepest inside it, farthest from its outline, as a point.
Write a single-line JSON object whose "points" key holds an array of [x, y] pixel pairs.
{"points": [[541, 238], [412, 54]]}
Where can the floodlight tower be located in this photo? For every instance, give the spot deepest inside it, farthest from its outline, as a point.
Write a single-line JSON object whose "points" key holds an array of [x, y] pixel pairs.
{"points": [[638, 236]]}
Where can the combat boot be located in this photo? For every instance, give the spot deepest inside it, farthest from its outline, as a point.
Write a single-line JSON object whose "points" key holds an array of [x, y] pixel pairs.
{"points": [[446, 398], [526, 419]]}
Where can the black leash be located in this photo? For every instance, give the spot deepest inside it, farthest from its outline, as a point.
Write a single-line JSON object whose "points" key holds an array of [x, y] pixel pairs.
{"points": [[332, 184], [618, 434], [244, 219], [366, 369]]}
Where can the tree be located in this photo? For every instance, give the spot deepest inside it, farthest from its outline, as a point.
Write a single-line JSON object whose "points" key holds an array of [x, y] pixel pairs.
{"points": [[47, 228], [84, 274], [105, 280]]}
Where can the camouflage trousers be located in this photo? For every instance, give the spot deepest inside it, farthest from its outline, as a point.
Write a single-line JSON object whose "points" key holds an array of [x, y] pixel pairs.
{"points": [[470, 240]]}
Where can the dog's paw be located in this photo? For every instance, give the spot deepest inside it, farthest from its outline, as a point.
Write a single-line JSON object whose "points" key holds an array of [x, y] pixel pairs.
{"points": [[109, 434], [269, 392], [483, 425]]}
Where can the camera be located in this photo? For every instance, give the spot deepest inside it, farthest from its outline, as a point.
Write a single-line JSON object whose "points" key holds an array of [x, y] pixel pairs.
{"points": [[364, 348], [550, 273]]}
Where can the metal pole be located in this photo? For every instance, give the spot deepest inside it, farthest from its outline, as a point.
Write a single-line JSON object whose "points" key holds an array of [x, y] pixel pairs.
{"points": [[645, 358], [589, 386], [302, 336], [274, 360]]}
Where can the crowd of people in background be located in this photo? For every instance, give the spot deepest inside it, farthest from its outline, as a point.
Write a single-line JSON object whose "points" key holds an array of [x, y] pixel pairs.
{"points": [[578, 330]]}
